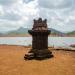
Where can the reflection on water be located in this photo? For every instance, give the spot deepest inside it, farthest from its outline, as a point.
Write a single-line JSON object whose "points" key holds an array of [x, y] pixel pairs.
{"points": [[52, 41]]}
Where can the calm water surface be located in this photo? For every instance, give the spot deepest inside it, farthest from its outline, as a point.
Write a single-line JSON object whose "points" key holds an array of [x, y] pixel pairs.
{"points": [[52, 41]]}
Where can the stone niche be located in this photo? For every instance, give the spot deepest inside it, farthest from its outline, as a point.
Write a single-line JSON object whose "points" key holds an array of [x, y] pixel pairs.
{"points": [[39, 34]]}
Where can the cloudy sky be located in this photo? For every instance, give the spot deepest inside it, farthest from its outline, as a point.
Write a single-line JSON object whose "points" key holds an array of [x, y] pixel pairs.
{"points": [[20, 13]]}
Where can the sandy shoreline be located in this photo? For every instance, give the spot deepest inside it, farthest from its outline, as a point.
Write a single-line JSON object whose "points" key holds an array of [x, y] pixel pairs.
{"points": [[13, 63]]}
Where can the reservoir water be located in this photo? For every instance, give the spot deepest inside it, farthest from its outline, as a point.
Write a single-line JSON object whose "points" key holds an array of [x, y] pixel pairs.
{"points": [[25, 41]]}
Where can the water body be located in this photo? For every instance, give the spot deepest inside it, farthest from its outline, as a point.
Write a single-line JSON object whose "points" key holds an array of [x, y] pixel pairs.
{"points": [[25, 41]]}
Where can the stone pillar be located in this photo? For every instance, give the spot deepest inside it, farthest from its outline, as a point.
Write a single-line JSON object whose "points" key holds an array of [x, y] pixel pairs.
{"points": [[39, 34]]}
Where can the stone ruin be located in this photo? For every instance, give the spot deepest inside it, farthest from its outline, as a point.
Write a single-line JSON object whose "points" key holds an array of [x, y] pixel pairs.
{"points": [[39, 34]]}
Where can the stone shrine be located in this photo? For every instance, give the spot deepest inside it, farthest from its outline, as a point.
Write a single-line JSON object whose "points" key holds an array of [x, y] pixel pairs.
{"points": [[39, 34]]}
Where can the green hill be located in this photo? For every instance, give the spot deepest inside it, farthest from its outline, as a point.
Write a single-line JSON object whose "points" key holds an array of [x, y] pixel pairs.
{"points": [[19, 31], [56, 32], [1, 34], [24, 31], [73, 32]]}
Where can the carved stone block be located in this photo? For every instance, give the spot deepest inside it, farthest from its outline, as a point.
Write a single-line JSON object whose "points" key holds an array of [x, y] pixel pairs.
{"points": [[39, 34]]}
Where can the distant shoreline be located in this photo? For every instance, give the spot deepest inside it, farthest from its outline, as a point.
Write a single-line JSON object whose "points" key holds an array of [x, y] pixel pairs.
{"points": [[27, 35], [50, 47]]}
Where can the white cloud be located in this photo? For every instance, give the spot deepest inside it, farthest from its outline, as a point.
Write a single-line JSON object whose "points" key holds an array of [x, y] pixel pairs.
{"points": [[16, 13], [1, 11], [7, 2], [55, 3], [27, 1], [60, 13]]}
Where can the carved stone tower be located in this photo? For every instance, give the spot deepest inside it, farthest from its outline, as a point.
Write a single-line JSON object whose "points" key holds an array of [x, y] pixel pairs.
{"points": [[39, 34]]}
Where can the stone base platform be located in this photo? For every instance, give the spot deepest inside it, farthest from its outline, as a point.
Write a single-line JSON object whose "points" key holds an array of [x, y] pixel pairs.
{"points": [[38, 54]]}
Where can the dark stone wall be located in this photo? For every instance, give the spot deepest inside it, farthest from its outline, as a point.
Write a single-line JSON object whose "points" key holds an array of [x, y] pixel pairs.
{"points": [[40, 42], [39, 34]]}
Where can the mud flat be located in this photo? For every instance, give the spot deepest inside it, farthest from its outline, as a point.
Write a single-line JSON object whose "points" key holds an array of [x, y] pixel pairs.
{"points": [[12, 62]]}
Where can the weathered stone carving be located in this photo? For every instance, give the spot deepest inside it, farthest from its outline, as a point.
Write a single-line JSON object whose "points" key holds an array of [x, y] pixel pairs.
{"points": [[39, 34]]}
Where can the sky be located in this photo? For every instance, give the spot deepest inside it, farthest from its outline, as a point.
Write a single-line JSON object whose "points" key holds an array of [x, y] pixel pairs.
{"points": [[60, 14]]}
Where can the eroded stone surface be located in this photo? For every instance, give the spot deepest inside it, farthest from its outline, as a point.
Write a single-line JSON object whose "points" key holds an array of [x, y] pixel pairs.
{"points": [[39, 34]]}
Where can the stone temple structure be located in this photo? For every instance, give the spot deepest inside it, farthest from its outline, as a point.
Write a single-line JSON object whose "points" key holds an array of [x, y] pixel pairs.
{"points": [[39, 34]]}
